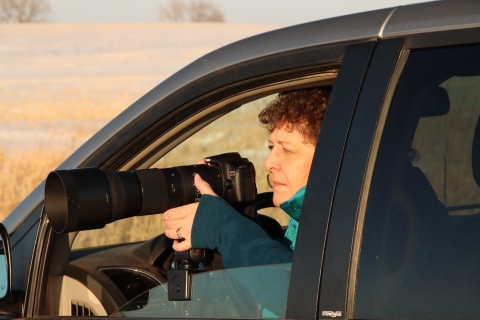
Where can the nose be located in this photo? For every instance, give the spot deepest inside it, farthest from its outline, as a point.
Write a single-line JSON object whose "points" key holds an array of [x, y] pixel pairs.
{"points": [[271, 161]]}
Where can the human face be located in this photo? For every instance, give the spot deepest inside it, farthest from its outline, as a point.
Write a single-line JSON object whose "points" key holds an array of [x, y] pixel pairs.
{"points": [[288, 163]]}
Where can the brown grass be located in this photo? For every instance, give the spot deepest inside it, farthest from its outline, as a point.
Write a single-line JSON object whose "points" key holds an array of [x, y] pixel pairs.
{"points": [[22, 171], [65, 81], [62, 124]]}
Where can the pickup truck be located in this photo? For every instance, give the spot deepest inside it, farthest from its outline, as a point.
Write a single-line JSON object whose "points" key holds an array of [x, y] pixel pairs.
{"points": [[389, 223]]}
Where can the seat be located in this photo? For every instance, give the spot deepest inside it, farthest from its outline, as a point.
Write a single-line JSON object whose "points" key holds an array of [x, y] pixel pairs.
{"points": [[270, 225], [442, 277]]}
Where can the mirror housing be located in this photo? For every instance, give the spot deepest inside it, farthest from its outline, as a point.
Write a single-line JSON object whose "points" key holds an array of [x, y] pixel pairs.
{"points": [[5, 266]]}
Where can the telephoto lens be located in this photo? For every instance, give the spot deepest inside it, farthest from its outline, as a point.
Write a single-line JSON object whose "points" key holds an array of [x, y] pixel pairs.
{"points": [[89, 198]]}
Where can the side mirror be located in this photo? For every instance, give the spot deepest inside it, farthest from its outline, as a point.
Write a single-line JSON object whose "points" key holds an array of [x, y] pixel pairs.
{"points": [[5, 265]]}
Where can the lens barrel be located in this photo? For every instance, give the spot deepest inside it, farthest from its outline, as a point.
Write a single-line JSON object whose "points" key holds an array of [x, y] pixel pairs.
{"points": [[89, 198]]}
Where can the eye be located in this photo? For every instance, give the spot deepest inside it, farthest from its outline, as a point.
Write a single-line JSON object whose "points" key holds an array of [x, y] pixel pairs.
{"points": [[270, 147]]}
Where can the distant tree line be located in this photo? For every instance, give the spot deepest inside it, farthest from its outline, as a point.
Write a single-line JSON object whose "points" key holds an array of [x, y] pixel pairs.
{"points": [[194, 11], [18, 11]]}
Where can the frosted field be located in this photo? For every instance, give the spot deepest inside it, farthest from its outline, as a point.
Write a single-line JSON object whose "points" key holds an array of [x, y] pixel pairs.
{"points": [[59, 83]]}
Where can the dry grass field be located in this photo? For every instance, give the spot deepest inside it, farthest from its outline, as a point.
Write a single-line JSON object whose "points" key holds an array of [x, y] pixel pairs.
{"points": [[60, 83]]}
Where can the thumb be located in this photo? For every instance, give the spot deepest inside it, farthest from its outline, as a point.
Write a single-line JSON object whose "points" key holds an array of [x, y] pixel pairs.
{"points": [[203, 186]]}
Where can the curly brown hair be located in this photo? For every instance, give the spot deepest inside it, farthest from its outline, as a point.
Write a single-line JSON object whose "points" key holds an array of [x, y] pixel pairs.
{"points": [[298, 109]]}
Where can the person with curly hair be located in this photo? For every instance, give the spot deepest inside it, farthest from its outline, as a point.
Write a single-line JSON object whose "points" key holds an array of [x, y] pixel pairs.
{"points": [[293, 120]]}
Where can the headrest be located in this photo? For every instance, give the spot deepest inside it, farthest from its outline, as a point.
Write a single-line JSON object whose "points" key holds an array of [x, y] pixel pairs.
{"points": [[437, 103], [476, 154]]}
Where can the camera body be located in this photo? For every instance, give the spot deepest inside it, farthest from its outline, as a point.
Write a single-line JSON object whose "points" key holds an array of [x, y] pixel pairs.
{"points": [[238, 175], [89, 198]]}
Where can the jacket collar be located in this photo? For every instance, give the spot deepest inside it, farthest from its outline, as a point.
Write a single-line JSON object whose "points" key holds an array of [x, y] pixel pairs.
{"points": [[293, 206]]}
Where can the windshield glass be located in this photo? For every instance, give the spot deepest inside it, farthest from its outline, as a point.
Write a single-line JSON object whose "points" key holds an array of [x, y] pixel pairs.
{"points": [[247, 293]]}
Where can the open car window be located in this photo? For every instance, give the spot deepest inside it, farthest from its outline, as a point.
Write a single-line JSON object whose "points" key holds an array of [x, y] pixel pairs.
{"points": [[237, 131]]}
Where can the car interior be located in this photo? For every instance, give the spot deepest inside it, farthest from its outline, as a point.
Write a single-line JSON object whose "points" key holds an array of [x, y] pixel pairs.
{"points": [[95, 272]]}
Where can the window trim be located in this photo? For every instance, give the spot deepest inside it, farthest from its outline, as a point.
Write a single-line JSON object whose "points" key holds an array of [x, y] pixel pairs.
{"points": [[362, 204]]}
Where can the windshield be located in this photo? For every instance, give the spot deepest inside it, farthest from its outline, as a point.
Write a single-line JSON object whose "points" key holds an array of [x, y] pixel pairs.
{"points": [[247, 293]]}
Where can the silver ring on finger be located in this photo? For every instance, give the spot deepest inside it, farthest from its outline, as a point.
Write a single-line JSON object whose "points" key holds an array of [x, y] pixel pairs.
{"points": [[179, 236]]}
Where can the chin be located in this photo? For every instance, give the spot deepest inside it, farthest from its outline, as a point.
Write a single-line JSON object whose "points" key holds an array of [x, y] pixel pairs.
{"points": [[277, 200]]}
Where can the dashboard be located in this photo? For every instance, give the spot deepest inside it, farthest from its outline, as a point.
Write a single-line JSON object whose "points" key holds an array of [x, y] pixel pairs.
{"points": [[99, 281]]}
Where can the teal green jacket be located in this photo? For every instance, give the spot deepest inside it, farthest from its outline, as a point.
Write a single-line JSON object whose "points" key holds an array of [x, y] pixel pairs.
{"points": [[240, 241]]}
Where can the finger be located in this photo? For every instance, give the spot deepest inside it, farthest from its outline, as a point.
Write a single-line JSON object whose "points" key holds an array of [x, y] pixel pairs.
{"points": [[182, 245], [203, 186], [201, 161], [172, 224], [171, 233], [180, 213], [173, 214]]}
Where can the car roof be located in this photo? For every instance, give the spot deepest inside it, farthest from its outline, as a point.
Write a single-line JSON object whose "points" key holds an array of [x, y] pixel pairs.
{"points": [[433, 16], [384, 23]]}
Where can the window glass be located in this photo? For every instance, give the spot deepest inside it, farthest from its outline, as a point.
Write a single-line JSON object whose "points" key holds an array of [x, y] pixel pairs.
{"points": [[238, 131], [239, 293], [444, 143], [419, 256]]}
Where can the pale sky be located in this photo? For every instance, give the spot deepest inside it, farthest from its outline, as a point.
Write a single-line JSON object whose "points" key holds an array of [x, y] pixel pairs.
{"points": [[286, 12]]}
